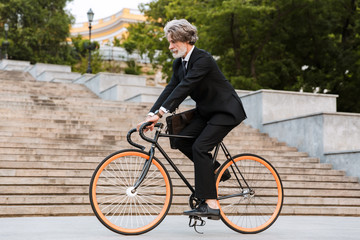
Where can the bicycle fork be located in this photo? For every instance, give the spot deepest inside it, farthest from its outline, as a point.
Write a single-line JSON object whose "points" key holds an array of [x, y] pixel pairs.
{"points": [[147, 163], [144, 170]]}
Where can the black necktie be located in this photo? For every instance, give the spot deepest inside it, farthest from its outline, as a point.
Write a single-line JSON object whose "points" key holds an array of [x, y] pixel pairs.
{"points": [[184, 65]]}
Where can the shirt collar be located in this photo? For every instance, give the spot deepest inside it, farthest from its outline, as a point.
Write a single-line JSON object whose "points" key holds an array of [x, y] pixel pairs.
{"points": [[187, 57]]}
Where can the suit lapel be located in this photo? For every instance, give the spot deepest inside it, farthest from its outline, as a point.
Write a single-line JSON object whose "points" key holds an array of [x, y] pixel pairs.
{"points": [[193, 57], [179, 69]]}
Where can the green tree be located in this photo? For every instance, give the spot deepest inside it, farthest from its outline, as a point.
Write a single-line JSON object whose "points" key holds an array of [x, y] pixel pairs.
{"points": [[274, 44], [133, 68], [38, 30], [148, 39], [81, 54]]}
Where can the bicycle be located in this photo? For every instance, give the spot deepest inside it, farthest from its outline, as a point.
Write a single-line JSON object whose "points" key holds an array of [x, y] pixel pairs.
{"points": [[131, 195]]}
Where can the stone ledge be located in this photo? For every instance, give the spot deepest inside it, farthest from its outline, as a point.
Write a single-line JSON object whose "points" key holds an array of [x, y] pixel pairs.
{"points": [[357, 151], [83, 78], [265, 106], [39, 68], [56, 76], [315, 114], [104, 81], [291, 93], [119, 92], [14, 65]]}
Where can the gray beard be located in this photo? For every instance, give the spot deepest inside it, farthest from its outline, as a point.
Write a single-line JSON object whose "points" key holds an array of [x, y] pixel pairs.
{"points": [[180, 53]]}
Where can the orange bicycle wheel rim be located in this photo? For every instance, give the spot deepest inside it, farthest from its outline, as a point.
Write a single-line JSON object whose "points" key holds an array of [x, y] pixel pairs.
{"points": [[151, 224], [279, 197]]}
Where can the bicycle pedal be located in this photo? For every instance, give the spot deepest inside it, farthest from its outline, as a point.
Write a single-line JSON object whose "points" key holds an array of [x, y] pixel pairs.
{"points": [[196, 221]]}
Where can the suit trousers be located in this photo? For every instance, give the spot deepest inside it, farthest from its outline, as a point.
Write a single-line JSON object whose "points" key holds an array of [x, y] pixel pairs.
{"points": [[199, 150]]}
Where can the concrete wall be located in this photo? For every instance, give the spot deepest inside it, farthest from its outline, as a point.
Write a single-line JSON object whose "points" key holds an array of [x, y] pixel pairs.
{"points": [[52, 76], [341, 132], [342, 142], [253, 107], [126, 93], [304, 133], [110, 79], [332, 137], [269, 105], [308, 122], [150, 98], [39, 68], [345, 160], [85, 77], [102, 82], [319, 134], [14, 65]]}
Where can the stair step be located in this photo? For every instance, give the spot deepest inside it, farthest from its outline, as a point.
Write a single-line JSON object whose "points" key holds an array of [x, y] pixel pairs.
{"points": [[321, 211], [189, 175], [85, 209], [84, 181], [178, 200], [47, 210], [283, 168], [84, 189]]}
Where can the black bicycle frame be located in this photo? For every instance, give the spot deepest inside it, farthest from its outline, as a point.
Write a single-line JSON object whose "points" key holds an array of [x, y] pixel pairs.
{"points": [[155, 144]]}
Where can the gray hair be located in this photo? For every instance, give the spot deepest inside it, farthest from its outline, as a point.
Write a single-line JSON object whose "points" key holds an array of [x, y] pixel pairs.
{"points": [[181, 30]]}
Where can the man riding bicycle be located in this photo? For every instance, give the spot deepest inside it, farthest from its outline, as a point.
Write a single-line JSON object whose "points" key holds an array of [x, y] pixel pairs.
{"points": [[218, 109]]}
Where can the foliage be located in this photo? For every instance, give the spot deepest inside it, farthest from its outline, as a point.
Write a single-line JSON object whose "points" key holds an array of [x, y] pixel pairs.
{"points": [[81, 54], [116, 42], [38, 30], [133, 68], [274, 44], [148, 39], [96, 63]]}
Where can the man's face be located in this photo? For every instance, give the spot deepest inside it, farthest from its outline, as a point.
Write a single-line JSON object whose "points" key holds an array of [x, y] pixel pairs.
{"points": [[178, 49]]}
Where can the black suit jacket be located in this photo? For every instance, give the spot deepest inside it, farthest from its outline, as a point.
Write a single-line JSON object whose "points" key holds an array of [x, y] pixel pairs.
{"points": [[216, 100]]}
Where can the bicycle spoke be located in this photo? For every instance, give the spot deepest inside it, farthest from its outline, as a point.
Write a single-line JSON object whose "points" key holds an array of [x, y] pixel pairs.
{"points": [[121, 207], [258, 206]]}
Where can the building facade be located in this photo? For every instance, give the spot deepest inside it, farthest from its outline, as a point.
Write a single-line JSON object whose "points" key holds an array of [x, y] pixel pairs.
{"points": [[106, 29]]}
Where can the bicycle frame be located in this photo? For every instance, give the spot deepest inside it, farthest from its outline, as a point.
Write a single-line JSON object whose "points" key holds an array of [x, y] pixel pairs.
{"points": [[155, 144]]}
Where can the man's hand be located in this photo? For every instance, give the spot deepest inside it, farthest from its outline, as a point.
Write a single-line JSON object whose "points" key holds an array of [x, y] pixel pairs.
{"points": [[154, 119]]}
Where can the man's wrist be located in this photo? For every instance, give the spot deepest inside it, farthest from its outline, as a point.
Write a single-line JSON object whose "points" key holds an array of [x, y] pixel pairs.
{"points": [[158, 113]]}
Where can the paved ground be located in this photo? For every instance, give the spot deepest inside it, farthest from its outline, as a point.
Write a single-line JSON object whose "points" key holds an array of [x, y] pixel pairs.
{"points": [[175, 227]]}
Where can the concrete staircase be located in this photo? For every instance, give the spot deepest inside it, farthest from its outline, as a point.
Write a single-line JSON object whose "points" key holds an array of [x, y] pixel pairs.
{"points": [[54, 134]]}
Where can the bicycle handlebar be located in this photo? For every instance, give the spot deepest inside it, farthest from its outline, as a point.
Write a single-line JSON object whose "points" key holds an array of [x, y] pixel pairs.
{"points": [[141, 131], [128, 137]]}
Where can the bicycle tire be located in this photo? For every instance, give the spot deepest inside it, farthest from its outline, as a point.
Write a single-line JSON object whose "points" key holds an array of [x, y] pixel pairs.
{"points": [[250, 212], [112, 201]]}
